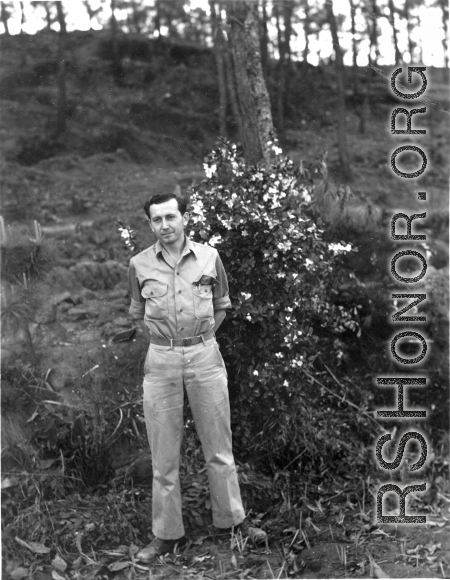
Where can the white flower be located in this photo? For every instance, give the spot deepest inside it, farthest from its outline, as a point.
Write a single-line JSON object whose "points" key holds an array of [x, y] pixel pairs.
{"points": [[285, 384], [248, 317], [225, 223], [337, 248], [244, 233], [277, 150], [309, 263], [246, 295], [197, 206], [279, 354], [296, 363], [306, 196], [215, 240], [210, 169], [255, 373]]}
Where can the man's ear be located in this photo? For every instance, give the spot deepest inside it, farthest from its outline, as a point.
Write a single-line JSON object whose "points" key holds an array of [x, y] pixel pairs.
{"points": [[186, 217]]}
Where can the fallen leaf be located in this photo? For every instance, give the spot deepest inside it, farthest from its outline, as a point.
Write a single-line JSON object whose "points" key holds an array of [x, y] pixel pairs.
{"points": [[234, 561], [116, 566], [433, 547], [78, 562], [59, 564], [378, 572], [18, 573], [35, 547], [9, 482], [133, 549], [57, 576], [100, 569], [414, 550]]}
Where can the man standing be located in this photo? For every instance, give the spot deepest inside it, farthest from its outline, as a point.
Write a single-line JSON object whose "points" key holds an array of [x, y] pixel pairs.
{"points": [[179, 293]]}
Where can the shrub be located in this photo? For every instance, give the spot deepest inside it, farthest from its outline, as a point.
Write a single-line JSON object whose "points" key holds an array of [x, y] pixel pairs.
{"points": [[286, 317]]}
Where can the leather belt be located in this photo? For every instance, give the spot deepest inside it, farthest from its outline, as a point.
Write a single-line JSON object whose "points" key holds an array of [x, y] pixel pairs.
{"points": [[189, 341]]}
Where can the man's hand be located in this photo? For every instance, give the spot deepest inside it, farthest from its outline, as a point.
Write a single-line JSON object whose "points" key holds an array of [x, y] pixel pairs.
{"points": [[219, 317]]}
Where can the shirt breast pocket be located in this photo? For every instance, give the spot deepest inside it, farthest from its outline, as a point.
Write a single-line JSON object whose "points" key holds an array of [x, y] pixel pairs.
{"points": [[203, 300], [156, 300]]}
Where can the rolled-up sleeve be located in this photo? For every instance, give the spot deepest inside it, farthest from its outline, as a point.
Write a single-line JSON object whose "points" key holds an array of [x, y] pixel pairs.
{"points": [[221, 298], [137, 306]]}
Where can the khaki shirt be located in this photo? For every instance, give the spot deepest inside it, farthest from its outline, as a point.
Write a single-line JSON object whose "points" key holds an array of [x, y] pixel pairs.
{"points": [[178, 300]]}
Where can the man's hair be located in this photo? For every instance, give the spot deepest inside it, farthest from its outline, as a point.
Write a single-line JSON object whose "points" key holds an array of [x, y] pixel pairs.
{"points": [[163, 197]]}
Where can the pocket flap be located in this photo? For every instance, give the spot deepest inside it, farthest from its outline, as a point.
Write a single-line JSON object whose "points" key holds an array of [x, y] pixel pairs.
{"points": [[206, 280], [154, 289]]}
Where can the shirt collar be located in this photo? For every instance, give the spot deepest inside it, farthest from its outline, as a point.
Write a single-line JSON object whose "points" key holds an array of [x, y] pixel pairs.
{"points": [[188, 247]]}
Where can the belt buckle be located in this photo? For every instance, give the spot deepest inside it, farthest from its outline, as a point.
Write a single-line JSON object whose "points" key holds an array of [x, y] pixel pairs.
{"points": [[186, 341]]}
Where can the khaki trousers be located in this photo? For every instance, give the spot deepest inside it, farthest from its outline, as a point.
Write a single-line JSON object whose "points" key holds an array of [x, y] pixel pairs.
{"points": [[200, 368]]}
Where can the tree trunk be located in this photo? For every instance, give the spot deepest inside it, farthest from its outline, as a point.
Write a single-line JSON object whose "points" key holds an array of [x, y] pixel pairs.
{"points": [[158, 18], [22, 16], [281, 72], [117, 68], [288, 8], [398, 56], [409, 29], [90, 12], [135, 18], [361, 100], [306, 31], [373, 28], [219, 50], [341, 112], [264, 40], [444, 9], [48, 15], [354, 49], [420, 43], [254, 103], [61, 80], [5, 17], [230, 76]]}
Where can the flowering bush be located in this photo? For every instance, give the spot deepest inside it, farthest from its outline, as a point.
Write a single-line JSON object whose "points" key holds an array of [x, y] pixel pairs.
{"points": [[286, 314]]}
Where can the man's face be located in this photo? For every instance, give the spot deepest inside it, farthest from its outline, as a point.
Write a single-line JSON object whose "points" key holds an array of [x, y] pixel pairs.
{"points": [[167, 222]]}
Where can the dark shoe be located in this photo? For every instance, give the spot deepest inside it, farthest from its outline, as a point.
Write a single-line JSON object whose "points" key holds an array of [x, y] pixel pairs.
{"points": [[157, 548], [255, 535]]}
